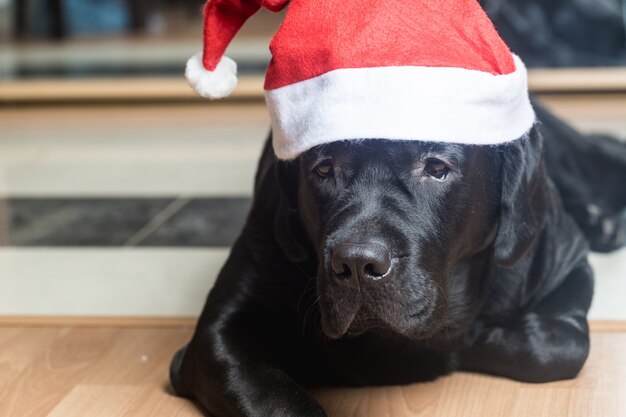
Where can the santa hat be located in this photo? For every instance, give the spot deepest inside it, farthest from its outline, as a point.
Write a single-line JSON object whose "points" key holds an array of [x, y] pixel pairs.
{"points": [[355, 69]]}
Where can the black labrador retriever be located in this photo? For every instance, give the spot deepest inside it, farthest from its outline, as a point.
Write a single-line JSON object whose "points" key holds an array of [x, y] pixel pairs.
{"points": [[378, 262], [590, 174]]}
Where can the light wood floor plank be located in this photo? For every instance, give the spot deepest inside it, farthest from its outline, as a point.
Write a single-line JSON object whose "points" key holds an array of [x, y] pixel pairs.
{"points": [[79, 371], [96, 401]]}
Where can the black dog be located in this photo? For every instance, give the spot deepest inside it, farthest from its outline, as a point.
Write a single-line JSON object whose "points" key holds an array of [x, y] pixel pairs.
{"points": [[590, 173], [386, 262]]}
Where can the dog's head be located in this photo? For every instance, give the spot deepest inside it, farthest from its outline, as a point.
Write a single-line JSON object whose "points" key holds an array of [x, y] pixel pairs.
{"points": [[403, 230]]}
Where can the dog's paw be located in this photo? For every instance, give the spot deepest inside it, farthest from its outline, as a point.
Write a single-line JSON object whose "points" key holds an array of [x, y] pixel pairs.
{"points": [[175, 374]]}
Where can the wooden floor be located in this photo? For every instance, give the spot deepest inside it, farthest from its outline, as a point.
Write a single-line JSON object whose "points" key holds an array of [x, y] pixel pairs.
{"points": [[67, 371]]}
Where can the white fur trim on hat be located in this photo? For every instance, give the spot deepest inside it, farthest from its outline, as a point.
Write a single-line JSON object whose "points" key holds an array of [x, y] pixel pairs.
{"points": [[214, 84], [403, 103]]}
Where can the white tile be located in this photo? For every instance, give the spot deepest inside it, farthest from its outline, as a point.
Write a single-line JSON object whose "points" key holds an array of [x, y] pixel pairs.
{"points": [[609, 301], [131, 152], [100, 281], [172, 282]]}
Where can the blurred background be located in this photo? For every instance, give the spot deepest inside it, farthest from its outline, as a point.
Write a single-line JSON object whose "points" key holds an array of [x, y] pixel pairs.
{"points": [[121, 191], [114, 38]]}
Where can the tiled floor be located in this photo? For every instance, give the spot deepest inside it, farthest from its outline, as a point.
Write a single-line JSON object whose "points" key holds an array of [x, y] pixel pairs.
{"points": [[121, 211], [130, 210], [159, 221]]}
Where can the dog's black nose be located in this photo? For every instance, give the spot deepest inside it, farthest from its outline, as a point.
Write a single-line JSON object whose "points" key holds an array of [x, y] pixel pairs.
{"points": [[362, 261]]}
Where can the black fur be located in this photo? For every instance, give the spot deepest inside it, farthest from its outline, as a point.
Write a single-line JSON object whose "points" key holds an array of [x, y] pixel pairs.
{"points": [[590, 173], [488, 274]]}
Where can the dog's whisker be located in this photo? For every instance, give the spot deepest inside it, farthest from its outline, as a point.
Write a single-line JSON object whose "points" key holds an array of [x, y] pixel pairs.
{"points": [[309, 287], [307, 314]]}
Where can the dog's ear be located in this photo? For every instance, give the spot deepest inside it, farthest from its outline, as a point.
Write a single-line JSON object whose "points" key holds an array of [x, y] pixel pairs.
{"points": [[523, 198], [288, 229]]}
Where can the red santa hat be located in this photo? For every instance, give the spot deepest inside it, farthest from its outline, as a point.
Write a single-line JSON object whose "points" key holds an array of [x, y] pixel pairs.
{"points": [[355, 69]]}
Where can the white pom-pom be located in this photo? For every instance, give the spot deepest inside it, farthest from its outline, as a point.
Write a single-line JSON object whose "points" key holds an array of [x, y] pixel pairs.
{"points": [[214, 84]]}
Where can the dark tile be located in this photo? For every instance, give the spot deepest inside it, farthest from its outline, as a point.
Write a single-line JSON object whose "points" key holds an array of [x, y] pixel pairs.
{"points": [[77, 222], [202, 222]]}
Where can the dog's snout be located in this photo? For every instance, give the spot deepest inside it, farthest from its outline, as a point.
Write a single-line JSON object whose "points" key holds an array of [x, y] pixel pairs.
{"points": [[360, 261]]}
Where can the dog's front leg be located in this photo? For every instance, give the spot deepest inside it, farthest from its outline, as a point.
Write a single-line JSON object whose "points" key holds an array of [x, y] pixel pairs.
{"points": [[549, 342], [235, 365]]}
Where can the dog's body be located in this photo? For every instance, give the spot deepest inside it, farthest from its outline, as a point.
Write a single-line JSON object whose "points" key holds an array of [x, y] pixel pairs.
{"points": [[590, 174], [387, 262]]}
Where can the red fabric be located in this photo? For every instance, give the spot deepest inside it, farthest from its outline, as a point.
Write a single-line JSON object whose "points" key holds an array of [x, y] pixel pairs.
{"points": [[222, 21], [319, 36], [273, 5]]}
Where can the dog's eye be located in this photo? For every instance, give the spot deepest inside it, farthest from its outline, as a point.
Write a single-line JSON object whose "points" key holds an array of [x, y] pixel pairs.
{"points": [[324, 169], [436, 168]]}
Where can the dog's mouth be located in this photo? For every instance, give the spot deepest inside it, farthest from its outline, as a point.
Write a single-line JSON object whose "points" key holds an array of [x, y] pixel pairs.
{"points": [[339, 307], [352, 320], [348, 311]]}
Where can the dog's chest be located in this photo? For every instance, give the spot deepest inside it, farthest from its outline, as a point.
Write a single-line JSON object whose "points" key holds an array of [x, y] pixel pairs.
{"points": [[363, 363]]}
